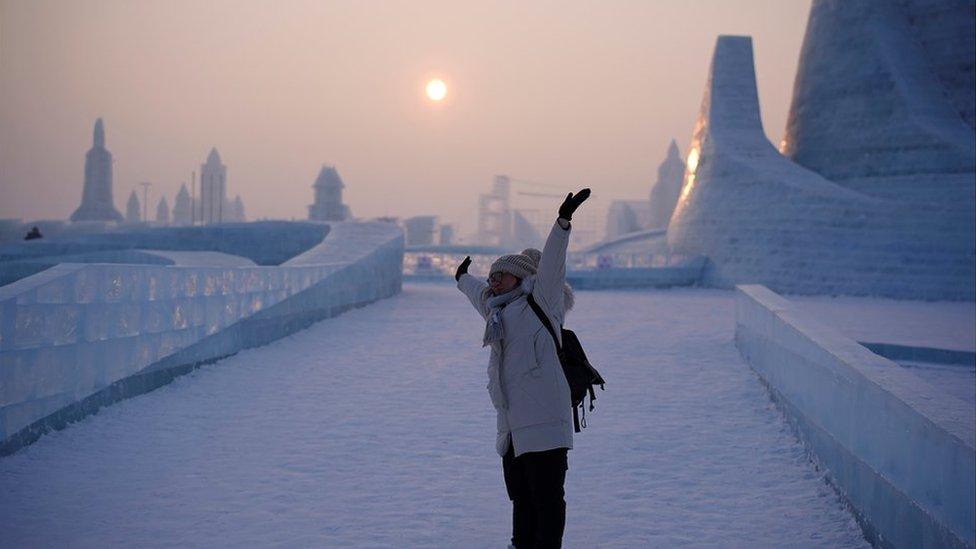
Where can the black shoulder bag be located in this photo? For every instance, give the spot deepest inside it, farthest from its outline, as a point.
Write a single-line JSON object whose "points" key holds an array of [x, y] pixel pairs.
{"points": [[580, 374]]}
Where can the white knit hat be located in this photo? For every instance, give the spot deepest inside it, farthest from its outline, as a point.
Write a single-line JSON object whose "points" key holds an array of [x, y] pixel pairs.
{"points": [[520, 265], [526, 264]]}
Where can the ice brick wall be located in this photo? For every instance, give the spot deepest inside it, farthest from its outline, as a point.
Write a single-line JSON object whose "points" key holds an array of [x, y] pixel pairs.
{"points": [[761, 218], [899, 449], [945, 30], [76, 337], [264, 242], [11, 271]]}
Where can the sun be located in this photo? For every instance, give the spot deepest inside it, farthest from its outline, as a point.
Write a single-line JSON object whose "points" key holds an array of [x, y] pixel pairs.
{"points": [[436, 89]]}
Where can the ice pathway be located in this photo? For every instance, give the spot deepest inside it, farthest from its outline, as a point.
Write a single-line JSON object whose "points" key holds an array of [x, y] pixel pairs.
{"points": [[374, 429]]}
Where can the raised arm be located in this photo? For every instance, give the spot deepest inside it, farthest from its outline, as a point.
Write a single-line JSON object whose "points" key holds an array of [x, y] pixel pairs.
{"points": [[472, 287], [551, 275]]}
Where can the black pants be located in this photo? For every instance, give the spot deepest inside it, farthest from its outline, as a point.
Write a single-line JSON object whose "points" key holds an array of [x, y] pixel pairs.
{"points": [[535, 485]]}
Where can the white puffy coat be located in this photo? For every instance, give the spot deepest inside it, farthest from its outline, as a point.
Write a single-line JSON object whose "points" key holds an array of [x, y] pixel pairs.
{"points": [[525, 380]]}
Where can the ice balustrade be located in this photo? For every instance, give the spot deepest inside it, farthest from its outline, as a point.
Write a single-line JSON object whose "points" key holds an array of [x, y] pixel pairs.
{"points": [[74, 337], [899, 449]]}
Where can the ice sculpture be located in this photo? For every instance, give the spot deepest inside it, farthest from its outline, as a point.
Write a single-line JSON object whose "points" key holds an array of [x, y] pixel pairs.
{"points": [[78, 337], [96, 197], [883, 98], [664, 194], [761, 218]]}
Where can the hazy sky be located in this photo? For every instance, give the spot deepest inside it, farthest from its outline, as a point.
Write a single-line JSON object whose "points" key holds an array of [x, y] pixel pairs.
{"points": [[561, 92]]}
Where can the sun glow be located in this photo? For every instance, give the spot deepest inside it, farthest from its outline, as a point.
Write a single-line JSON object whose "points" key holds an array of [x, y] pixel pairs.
{"points": [[436, 89]]}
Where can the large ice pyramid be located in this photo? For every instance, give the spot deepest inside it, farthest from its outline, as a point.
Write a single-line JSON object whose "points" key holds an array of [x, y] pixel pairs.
{"points": [[883, 98], [759, 217]]}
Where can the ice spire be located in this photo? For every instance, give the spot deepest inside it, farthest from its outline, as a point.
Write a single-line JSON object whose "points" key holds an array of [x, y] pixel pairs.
{"points": [[98, 139], [133, 212]]}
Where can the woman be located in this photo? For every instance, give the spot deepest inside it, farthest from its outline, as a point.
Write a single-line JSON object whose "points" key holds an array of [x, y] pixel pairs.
{"points": [[525, 380]]}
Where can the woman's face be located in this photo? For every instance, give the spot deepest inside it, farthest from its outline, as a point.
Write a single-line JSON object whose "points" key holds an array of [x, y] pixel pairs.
{"points": [[501, 283]]}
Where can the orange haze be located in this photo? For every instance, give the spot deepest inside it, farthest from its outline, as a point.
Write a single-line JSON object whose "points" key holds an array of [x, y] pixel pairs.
{"points": [[571, 93]]}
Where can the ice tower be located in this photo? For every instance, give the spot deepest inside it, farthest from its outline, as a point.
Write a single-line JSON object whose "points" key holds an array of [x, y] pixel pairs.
{"points": [[328, 204], [133, 211], [162, 211], [664, 194], [213, 189], [96, 196], [761, 218], [182, 207]]}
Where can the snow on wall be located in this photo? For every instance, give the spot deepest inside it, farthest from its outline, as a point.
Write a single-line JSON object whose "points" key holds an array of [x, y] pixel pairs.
{"points": [[76, 337], [264, 242], [760, 218], [900, 450], [11, 271], [200, 259]]}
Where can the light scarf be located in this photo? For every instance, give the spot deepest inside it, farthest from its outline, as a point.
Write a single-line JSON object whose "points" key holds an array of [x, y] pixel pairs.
{"points": [[494, 329]]}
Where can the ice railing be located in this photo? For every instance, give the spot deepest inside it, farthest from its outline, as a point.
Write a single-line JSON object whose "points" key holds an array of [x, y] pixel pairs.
{"points": [[898, 449], [74, 329]]}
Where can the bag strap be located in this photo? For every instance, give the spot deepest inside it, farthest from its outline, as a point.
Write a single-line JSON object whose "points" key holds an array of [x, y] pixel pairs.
{"points": [[545, 321]]}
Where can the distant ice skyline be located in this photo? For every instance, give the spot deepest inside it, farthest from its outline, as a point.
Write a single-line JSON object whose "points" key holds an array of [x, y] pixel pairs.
{"points": [[574, 94]]}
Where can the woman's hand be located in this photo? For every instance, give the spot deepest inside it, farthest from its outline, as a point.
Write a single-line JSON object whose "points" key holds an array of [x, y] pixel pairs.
{"points": [[572, 202], [462, 268]]}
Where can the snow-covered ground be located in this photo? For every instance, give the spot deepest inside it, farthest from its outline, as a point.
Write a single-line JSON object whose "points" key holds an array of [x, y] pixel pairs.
{"points": [[939, 324], [374, 429], [951, 379]]}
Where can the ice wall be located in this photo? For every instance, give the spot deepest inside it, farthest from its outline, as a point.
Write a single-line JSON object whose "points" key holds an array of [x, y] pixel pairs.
{"points": [[77, 337], [11, 271], [264, 242], [900, 450], [760, 218], [883, 98]]}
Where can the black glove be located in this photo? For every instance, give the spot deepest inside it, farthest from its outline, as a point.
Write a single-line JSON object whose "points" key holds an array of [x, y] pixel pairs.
{"points": [[572, 202], [462, 268]]}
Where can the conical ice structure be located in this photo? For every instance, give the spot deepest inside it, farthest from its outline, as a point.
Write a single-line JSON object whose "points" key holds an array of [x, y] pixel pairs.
{"points": [[883, 98], [96, 196], [182, 207], [162, 211], [133, 212], [213, 189], [760, 218], [664, 194], [239, 209]]}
